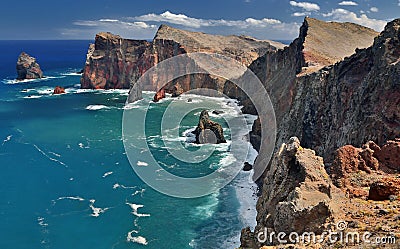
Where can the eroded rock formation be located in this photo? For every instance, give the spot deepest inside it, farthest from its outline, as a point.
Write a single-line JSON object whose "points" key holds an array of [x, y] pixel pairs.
{"points": [[159, 95], [354, 170], [115, 62], [351, 102], [59, 90], [208, 131], [28, 68], [296, 196], [299, 197]]}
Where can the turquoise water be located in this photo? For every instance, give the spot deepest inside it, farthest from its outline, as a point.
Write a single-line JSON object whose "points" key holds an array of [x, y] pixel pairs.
{"points": [[65, 178]]}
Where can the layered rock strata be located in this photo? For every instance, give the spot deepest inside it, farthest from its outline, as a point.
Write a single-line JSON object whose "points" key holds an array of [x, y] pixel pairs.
{"points": [[114, 62]]}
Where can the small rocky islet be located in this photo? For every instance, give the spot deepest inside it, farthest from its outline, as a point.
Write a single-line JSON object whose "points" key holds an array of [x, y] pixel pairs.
{"points": [[27, 67]]}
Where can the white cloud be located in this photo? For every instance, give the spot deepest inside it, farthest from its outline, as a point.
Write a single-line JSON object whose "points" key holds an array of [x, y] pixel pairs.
{"points": [[86, 29], [301, 14], [348, 3], [305, 5], [181, 19], [374, 9], [113, 22], [145, 26], [398, 3], [172, 18], [342, 15]]}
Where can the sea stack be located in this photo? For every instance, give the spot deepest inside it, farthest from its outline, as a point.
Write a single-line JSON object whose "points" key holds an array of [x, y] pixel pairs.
{"points": [[59, 90], [159, 95], [28, 68], [207, 131]]}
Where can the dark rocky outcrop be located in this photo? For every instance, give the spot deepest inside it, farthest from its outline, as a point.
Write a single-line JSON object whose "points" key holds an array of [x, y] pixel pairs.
{"points": [[247, 166], [59, 90], [159, 95], [28, 68], [208, 131]]}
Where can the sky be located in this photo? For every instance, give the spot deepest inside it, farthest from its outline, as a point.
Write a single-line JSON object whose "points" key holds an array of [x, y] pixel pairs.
{"points": [[263, 19]]}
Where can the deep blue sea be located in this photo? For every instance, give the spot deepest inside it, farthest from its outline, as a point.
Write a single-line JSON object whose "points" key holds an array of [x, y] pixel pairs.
{"points": [[65, 179]]}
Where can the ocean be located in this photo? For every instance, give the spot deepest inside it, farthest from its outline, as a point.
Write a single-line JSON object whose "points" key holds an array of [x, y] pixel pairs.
{"points": [[66, 181]]}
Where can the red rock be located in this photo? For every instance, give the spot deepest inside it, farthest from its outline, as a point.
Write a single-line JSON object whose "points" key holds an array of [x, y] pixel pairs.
{"points": [[59, 90], [382, 189], [389, 155], [159, 95], [347, 160]]}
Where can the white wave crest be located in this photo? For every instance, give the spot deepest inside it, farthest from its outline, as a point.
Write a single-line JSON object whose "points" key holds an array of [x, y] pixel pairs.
{"points": [[107, 174], [142, 164], [136, 239], [135, 208], [96, 107], [96, 211]]}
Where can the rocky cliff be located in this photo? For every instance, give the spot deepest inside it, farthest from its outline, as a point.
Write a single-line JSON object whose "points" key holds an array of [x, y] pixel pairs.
{"points": [[28, 68], [114, 62], [328, 106], [300, 201], [336, 84], [352, 101]]}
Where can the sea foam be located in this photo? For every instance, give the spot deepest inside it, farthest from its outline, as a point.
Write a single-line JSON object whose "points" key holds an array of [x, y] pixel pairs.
{"points": [[96, 107]]}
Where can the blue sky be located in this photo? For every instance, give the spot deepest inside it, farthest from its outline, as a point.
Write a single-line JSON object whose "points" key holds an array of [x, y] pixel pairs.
{"points": [[264, 19]]}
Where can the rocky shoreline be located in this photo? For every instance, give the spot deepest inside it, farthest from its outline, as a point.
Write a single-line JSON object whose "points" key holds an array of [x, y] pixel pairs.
{"points": [[337, 84]]}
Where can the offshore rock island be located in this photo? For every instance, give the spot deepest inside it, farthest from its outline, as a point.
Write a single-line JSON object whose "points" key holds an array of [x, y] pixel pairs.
{"points": [[28, 68], [336, 94]]}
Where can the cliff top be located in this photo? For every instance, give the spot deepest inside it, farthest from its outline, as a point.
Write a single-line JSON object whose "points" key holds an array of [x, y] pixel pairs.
{"points": [[201, 42], [329, 42]]}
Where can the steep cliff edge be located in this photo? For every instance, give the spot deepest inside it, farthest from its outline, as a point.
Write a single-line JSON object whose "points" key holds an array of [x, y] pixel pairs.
{"points": [[114, 62], [329, 42], [351, 102]]}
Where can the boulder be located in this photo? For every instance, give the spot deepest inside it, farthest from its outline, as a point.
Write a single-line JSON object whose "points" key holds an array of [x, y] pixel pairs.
{"points": [[159, 95], [59, 90], [385, 188], [28, 68], [217, 112], [247, 166], [208, 131]]}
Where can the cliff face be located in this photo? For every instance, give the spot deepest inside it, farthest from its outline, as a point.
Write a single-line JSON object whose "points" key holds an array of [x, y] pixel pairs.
{"points": [[114, 62], [353, 101]]}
